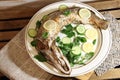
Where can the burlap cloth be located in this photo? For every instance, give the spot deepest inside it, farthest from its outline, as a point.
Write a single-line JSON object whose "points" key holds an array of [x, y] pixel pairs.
{"points": [[16, 63]]}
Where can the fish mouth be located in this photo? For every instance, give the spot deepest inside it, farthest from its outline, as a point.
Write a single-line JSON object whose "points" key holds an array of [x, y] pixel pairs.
{"points": [[54, 57]]}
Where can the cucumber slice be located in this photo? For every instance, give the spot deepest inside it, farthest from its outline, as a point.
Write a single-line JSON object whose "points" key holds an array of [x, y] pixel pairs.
{"points": [[32, 33], [76, 50], [80, 29], [87, 47], [63, 7], [66, 40], [44, 17], [84, 13]]}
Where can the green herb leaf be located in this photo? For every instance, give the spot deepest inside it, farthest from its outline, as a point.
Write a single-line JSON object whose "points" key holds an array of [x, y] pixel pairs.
{"points": [[64, 51], [45, 35], [83, 40], [68, 47], [81, 62], [44, 17], [66, 12], [94, 41], [76, 41], [57, 39], [38, 24], [34, 43], [40, 57], [89, 55], [65, 31], [70, 34], [70, 57], [69, 27]]}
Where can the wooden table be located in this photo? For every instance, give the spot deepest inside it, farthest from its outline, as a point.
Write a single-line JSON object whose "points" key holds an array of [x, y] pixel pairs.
{"points": [[15, 14]]}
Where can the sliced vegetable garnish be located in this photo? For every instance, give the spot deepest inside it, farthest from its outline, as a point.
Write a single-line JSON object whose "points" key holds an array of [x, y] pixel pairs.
{"points": [[45, 35], [32, 32], [76, 41], [34, 43], [66, 40], [58, 39], [68, 31], [91, 33], [84, 13], [83, 39], [76, 50], [89, 55], [69, 27], [63, 7], [80, 29], [66, 12], [50, 25], [87, 47], [38, 23], [44, 17], [70, 34], [40, 57], [94, 41]]}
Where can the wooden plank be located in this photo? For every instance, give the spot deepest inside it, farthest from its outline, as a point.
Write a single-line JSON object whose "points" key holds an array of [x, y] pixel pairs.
{"points": [[7, 35], [2, 44], [86, 76], [29, 9], [62, 78], [25, 10], [13, 24], [115, 13], [111, 74], [119, 21], [1, 74], [103, 5]]}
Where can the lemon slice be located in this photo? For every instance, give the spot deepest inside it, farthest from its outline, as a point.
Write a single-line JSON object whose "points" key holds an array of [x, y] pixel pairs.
{"points": [[87, 47], [91, 33], [50, 25], [84, 13]]}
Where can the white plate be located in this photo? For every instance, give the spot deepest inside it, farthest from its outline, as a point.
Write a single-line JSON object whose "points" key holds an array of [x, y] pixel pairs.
{"points": [[105, 47]]}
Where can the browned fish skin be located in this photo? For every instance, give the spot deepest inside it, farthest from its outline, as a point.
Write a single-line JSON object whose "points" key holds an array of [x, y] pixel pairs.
{"points": [[99, 23], [48, 47]]}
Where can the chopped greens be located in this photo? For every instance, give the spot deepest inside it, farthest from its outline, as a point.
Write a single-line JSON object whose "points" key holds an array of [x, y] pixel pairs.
{"points": [[71, 44], [83, 39], [69, 27], [44, 17], [76, 41], [45, 35], [68, 31], [40, 57], [34, 42], [38, 23], [94, 41], [89, 55], [66, 12], [70, 34], [58, 39]]}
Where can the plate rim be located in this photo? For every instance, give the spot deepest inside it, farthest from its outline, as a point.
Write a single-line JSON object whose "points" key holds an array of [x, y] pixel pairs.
{"points": [[93, 9]]}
